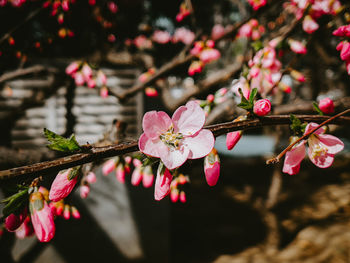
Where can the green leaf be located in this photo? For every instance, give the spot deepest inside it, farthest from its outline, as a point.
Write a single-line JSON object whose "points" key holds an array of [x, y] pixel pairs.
{"points": [[15, 202], [317, 108], [59, 143], [74, 172], [257, 45], [253, 95]]}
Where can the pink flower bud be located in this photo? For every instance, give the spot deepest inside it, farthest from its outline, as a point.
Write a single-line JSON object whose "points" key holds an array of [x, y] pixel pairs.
{"points": [[345, 51], [75, 212], [211, 168], [59, 209], [309, 25], [209, 55], [120, 173], [128, 159], [108, 166], [111, 38], [136, 162], [79, 79], [210, 43], [72, 68], [136, 176], [91, 178], [151, 92], [53, 208], [66, 212], [262, 107], [232, 138], [92, 2], [174, 195], [182, 197], [112, 7], [91, 83], [326, 105], [65, 5], [297, 75], [86, 71], [14, 221], [84, 191], [297, 46], [42, 218], [147, 177], [101, 78], [162, 185], [217, 31], [343, 31], [127, 168], [63, 185], [210, 98]]}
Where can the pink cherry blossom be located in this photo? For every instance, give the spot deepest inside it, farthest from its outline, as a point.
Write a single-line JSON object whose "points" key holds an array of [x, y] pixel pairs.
{"points": [[321, 151], [163, 181], [217, 32], [212, 167], [326, 105], [183, 35], [297, 46], [42, 217], [72, 68], [209, 55], [177, 139], [262, 107], [62, 186], [84, 191]]}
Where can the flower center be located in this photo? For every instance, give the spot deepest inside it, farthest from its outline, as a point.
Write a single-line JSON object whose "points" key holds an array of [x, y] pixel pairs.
{"points": [[317, 148], [171, 139]]}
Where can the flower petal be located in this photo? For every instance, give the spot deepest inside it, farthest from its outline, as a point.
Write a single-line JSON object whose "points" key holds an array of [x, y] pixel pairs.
{"points": [[322, 160], [155, 123], [200, 144], [333, 144], [293, 158], [312, 126], [149, 146], [188, 119], [173, 158]]}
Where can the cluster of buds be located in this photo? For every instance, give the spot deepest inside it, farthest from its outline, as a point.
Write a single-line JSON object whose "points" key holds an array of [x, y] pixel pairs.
{"points": [[252, 30], [82, 73], [344, 46], [142, 173], [206, 53], [15, 3], [64, 210], [58, 8], [212, 100], [315, 9], [256, 4], [64, 32], [177, 186], [183, 35], [183, 12], [149, 91], [121, 166]]}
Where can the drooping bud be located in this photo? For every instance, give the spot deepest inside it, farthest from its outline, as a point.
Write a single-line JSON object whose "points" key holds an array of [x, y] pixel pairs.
{"points": [[84, 191], [109, 166], [120, 173], [63, 184], [182, 197], [297, 75], [262, 107], [151, 92], [232, 138], [42, 218], [14, 221], [91, 178], [174, 195], [59, 208], [326, 105], [72, 68], [66, 212], [147, 177], [212, 167], [163, 180], [75, 212], [136, 176]]}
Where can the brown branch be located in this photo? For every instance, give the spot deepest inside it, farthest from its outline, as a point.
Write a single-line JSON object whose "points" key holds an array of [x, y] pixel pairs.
{"points": [[98, 153], [24, 71]]}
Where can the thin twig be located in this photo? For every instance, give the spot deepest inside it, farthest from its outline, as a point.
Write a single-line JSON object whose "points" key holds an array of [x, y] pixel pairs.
{"points": [[278, 157], [98, 153]]}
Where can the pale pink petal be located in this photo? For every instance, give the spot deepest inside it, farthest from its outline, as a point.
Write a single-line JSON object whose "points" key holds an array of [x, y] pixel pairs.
{"points": [[149, 146], [322, 160], [155, 123], [199, 145], [162, 185], [332, 143], [174, 158], [136, 176], [293, 159], [312, 126], [188, 119]]}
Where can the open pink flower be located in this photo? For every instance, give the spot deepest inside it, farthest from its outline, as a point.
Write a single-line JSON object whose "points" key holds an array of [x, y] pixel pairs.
{"points": [[177, 139], [42, 217], [321, 151], [63, 185]]}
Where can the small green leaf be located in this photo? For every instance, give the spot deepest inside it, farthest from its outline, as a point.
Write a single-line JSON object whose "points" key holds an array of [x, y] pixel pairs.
{"points": [[257, 45], [253, 95], [73, 173], [15, 202], [59, 143], [317, 108]]}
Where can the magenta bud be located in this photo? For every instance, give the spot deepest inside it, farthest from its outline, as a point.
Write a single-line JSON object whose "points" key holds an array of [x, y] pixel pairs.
{"points": [[326, 105], [75, 212], [212, 167], [62, 186], [262, 107], [232, 139], [120, 173], [13, 221], [174, 195], [182, 197], [66, 212], [136, 176]]}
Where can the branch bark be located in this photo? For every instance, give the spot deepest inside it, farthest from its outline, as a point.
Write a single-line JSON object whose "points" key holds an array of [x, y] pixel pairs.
{"points": [[98, 153]]}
